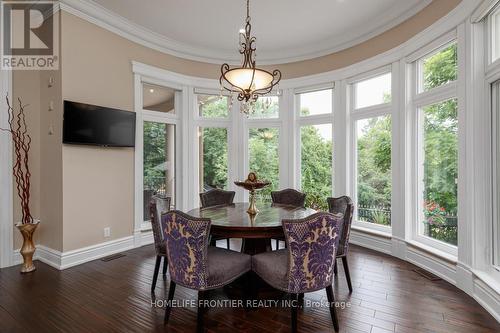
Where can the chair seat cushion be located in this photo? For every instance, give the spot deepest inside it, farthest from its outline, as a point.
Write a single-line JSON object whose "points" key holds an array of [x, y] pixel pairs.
{"points": [[225, 266], [272, 267]]}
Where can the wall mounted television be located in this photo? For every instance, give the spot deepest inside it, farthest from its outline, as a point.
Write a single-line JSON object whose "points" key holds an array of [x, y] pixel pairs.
{"points": [[86, 124]]}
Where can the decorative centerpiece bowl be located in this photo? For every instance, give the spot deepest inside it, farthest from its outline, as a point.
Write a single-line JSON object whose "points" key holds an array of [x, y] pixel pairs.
{"points": [[252, 184]]}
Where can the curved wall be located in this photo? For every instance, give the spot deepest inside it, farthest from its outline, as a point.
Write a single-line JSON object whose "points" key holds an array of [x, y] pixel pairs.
{"points": [[96, 69]]}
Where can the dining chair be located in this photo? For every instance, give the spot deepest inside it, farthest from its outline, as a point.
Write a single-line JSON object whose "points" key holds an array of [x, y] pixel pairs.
{"points": [[288, 197], [158, 205], [217, 197], [344, 206], [193, 263], [306, 265]]}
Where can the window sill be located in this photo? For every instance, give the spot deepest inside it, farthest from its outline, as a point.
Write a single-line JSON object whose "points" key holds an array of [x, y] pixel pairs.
{"points": [[372, 231], [434, 252]]}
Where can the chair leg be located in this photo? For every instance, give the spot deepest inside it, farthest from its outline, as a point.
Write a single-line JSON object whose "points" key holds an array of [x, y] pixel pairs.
{"points": [[155, 274], [168, 307], [165, 267], [347, 274], [228, 244], [277, 244], [333, 312], [335, 270], [201, 311], [294, 305]]}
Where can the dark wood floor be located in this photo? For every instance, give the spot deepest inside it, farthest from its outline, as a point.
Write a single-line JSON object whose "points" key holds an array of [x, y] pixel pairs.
{"points": [[114, 297]]}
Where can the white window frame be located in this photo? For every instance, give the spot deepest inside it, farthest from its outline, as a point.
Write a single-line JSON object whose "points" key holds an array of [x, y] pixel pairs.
{"points": [[301, 121], [495, 110], [417, 101], [355, 115]]}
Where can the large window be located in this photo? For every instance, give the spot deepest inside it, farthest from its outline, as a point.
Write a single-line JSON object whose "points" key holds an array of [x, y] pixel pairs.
{"points": [[371, 150], [213, 158], [437, 147], [159, 162], [316, 146], [263, 153], [213, 111], [316, 164], [439, 160]]}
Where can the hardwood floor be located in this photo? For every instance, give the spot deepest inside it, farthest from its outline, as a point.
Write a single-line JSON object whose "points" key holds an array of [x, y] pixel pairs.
{"points": [[114, 296]]}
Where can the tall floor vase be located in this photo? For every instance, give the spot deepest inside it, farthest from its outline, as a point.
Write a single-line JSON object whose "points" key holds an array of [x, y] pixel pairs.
{"points": [[28, 248]]}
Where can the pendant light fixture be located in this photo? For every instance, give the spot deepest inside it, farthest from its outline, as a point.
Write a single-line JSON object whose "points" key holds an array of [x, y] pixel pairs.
{"points": [[247, 81]]}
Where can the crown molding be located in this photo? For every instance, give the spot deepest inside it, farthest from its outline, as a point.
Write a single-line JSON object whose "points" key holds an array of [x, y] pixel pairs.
{"points": [[109, 20]]}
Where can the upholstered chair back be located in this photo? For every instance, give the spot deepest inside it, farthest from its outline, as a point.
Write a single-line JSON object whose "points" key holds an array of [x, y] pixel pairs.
{"points": [[157, 206], [216, 197], [344, 206], [312, 246], [289, 197], [186, 240]]}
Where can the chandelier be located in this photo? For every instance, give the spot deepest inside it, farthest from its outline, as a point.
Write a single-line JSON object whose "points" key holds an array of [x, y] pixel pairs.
{"points": [[247, 81]]}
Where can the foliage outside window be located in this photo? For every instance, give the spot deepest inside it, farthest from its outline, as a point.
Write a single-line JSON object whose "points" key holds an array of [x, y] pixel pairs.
{"points": [[374, 170], [213, 106], [213, 158], [159, 161], [263, 146], [316, 102], [316, 164], [374, 91], [439, 68], [265, 107], [440, 171]]}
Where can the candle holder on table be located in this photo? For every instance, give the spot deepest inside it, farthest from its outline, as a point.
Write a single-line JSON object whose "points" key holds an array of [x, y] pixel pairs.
{"points": [[252, 184]]}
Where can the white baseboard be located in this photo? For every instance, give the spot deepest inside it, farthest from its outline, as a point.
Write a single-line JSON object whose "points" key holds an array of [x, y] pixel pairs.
{"points": [[83, 255], [377, 243], [63, 260], [487, 297]]}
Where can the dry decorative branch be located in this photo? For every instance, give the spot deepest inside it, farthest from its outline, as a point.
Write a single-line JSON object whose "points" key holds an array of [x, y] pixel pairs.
{"points": [[22, 143]]}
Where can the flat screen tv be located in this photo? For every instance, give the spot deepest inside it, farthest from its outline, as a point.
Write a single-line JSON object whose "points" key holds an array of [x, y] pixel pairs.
{"points": [[86, 124]]}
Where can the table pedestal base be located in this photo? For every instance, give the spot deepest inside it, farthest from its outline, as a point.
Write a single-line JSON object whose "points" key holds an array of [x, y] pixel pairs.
{"points": [[254, 246]]}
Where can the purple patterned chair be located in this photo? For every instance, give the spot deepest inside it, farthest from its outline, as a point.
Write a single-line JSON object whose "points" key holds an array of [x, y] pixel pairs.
{"points": [[192, 263], [345, 207], [217, 197], [157, 206], [306, 265], [288, 197]]}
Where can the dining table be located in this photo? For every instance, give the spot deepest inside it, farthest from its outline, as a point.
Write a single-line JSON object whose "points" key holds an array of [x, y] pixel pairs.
{"points": [[256, 230]]}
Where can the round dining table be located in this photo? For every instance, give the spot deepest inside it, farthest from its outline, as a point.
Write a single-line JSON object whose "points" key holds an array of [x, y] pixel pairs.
{"points": [[233, 221]]}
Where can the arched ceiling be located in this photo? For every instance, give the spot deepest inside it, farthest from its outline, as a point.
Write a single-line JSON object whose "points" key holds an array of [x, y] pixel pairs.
{"points": [[286, 30]]}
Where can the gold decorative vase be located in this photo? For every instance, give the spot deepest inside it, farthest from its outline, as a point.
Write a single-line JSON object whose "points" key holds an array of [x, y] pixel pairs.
{"points": [[252, 184], [28, 248]]}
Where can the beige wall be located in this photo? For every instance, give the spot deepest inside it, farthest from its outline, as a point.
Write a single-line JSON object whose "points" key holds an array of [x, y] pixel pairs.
{"points": [[85, 189], [45, 154], [26, 86]]}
